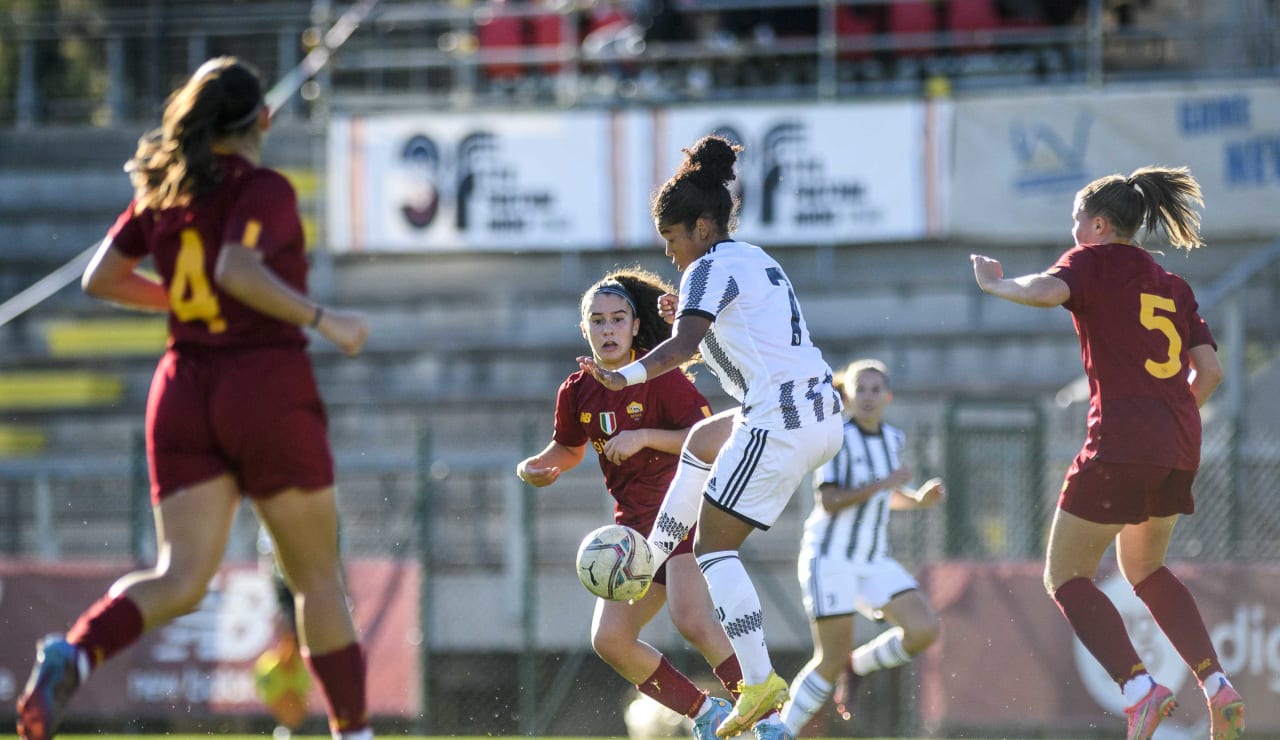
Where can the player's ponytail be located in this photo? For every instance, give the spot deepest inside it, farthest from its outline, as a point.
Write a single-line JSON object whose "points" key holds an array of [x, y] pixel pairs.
{"points": [[700, 187], [1150, 198], [175, 162]]}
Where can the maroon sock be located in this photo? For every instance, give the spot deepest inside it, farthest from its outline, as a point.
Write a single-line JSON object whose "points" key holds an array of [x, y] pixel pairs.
{"points": [[673, 690], [1099, 626], [730, 674], [1175, 611], [110, 625], [341, 675]]}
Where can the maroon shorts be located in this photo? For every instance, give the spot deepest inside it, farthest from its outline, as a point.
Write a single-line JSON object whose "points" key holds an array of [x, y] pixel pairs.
{"points": [[254, 413], [1123, 493]]}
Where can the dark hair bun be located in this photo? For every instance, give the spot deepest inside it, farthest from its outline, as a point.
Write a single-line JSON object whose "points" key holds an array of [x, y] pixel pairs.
{"points": [[711, 160]]}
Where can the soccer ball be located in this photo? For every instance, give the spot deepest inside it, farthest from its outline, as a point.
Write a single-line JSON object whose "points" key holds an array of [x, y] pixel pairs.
{"points": [[615, 563]]}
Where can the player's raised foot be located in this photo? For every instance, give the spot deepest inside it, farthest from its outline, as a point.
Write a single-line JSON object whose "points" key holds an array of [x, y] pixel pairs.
{"points": [[1226, 713], [771, 729], [846, 690], [54, 678], [1145, 716], [754, 702], [704, 727]]}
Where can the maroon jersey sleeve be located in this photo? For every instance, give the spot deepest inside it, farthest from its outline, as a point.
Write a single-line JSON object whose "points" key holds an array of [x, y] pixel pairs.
{"points": [[265, 215], [1074, 268], [568, 430], [127, 235]]}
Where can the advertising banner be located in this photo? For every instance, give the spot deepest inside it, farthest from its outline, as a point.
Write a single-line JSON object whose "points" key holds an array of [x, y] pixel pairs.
{"points": [[810, 174], [1008, 661], [202, 663], [419, 183], [814, 174], [1019, 162]]}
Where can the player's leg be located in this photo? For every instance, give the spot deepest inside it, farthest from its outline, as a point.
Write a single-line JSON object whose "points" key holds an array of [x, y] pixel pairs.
{"points": [[1141, 550], [1075, 548], [192, 526], [832, 642], [615, 636], [915, 628], [304, 530], [693, 614], [679, 510]]}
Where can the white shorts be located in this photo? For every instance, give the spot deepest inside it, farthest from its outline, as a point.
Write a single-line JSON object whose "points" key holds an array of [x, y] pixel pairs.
{"points": [[836, 587], [758, 470]]}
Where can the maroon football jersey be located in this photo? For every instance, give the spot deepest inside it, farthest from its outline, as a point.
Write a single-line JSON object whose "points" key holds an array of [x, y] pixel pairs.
{"points": [[1135, 322], [588, 412], [251, 205]]}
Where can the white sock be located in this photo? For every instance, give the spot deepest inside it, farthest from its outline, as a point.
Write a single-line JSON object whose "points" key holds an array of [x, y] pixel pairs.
{"points": [[882, 651], [809, 692], [1213, 682], [1136, 688], [706, 707], [365, 734], [679, 510], [738, 606]]}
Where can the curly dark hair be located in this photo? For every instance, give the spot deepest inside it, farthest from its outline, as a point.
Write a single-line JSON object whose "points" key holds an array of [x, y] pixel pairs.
{"points": [[700, 187], [645, 287]]}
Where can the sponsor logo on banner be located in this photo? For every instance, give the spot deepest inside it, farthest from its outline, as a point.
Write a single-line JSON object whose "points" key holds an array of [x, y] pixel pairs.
{"points": [[608, 422], [1050, 158], [420, 161], [635, 410]]}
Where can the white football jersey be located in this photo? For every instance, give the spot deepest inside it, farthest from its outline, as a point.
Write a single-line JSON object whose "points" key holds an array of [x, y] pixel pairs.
{"points": [[856, 533], [758, 344]]}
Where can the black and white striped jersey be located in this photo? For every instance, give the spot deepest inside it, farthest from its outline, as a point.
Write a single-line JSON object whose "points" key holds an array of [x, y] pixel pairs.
{"points": [[758, 344], [859, 533]]}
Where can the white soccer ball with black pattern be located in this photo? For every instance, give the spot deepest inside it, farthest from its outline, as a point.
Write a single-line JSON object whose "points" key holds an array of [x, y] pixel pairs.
{"points": [[615, 563]]}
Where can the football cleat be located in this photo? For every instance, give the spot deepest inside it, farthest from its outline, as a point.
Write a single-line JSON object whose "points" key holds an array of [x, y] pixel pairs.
{"points": [[704, 727], [1226, 713], [754, 702], [54, 678], [1147, 713], [772, 731]]}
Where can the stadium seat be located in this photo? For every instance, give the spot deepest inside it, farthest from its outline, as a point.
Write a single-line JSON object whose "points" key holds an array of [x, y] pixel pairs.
{"points": [[975, 19], [54, 389], [501, 33], [855, 25], [547, 34], [913, 19], [20, 441], [106, 337]]}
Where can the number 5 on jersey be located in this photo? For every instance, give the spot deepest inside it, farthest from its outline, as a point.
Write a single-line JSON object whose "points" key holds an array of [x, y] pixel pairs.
{"points": [[190, 295], [1150, 320]]}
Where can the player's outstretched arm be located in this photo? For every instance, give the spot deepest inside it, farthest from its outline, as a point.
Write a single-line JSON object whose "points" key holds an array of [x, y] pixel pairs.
{"points": [[1036, 289], [114, 277], [545, 468]]}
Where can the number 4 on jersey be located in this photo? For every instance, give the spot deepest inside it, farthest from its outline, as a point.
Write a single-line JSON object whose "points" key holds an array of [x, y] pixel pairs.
{"points": [[190, 296]]}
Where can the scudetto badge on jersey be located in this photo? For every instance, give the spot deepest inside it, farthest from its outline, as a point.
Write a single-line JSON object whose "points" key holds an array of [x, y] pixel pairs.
{"points": [[635, 410], [608, 422]]}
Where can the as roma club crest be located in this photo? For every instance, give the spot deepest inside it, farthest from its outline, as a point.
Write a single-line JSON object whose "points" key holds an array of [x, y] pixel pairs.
{"points": [[608, 422], [635, 410]]}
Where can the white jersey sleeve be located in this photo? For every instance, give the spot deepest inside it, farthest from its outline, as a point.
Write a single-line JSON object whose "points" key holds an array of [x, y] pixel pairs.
{"points": [[758, 344]]}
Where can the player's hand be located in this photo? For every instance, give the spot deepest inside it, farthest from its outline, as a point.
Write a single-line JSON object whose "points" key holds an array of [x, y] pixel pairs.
{"points": [[347, 329], [898, 478], [624, 445], [667, 303], [931, 492], [608, 378], [986, 270], [537, 476]]}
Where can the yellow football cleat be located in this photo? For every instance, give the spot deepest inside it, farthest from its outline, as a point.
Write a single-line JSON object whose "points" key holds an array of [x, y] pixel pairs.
{"points": [[754, 702]]}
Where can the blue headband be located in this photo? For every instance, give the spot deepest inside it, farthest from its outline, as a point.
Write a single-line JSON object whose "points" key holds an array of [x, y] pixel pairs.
{"points": [[613, 287]]}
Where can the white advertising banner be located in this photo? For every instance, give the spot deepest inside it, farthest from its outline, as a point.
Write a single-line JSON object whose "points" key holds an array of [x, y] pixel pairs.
{"points": [[1019, 162], [434, 182], [814, 174]]}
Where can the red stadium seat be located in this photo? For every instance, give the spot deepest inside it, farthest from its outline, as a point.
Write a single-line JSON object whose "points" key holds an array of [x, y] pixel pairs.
{"points": [[973, 17], [547, 34], [855, 24], [916, 17], [501, 33]]}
